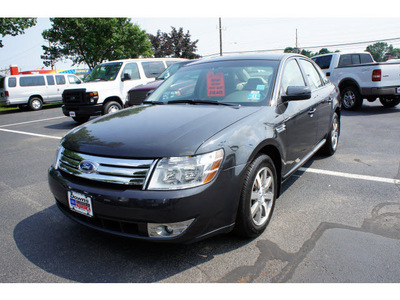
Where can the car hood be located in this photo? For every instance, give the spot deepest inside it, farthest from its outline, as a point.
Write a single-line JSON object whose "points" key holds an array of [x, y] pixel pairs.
{"points": [[152, 131]]}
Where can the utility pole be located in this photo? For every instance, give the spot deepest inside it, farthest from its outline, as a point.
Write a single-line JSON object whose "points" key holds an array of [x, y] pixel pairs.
{"points": [[297, 47], [220, 37]]}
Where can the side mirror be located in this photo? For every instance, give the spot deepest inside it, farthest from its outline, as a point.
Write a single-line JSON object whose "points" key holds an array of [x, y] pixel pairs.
{"points": [[296, 93], [126, 76]]}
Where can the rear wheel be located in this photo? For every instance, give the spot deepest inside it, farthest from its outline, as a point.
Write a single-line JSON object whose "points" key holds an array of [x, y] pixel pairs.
{"points": [[332, 139], [351, 98], [35, 103], [389, 102], [257, 199]]}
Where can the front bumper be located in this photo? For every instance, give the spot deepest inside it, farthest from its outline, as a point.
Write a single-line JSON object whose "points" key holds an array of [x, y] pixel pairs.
{"points": [[126, 212], [83, 110]]}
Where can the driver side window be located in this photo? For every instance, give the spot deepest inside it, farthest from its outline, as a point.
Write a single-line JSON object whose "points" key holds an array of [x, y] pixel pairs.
{"points": [[132, 70], [292, 76]]}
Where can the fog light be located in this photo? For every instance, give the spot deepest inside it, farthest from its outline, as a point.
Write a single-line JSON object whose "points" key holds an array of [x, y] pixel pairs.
{"points": [[167, 230]]}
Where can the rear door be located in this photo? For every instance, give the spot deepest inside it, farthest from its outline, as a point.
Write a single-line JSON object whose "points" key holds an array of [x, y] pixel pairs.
{"points": [[301, 126], [321, 97]]}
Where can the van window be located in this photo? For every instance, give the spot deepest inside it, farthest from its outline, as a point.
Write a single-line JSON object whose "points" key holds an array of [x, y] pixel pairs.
{"points": [[153, 68], [324, 61], [60, 79], [73, 80], [31, 81], [12, 82], [50, 79], [132, 70]]}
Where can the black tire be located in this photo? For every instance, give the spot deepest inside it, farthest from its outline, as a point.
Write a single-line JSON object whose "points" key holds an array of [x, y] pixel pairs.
{"points": [[81, 119], [332, 139], [35, 103], [256, 206], [111, 106], [351, 98], [389, 102]]}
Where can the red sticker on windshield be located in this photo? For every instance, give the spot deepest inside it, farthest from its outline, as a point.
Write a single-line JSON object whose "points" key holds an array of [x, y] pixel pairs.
{"points": [[215, 84]]}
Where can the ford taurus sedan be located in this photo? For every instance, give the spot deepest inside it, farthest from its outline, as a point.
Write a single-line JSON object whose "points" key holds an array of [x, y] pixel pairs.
{"points": [[186, 166]]}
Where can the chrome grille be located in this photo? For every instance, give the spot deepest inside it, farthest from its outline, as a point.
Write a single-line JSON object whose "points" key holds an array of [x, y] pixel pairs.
{"points": [[110, 170]]}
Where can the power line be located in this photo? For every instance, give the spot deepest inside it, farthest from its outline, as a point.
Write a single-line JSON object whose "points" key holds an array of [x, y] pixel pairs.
{"points": [[312, 47]]}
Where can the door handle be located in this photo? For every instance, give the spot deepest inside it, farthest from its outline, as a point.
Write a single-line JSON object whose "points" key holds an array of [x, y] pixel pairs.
{"points": [[311, 112]]}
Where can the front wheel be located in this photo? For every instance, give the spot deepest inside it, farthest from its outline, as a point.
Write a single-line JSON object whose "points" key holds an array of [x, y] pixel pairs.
{"points": [[111, 107], [389, 102], [81, 119], [257, 199]]}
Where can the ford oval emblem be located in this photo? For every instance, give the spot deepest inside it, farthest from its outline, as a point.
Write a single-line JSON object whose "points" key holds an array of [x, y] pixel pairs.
{"points": [[87, 167]]}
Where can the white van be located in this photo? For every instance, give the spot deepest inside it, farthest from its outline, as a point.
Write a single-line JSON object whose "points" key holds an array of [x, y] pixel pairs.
{"points": [[34, 90], [105, 89]]}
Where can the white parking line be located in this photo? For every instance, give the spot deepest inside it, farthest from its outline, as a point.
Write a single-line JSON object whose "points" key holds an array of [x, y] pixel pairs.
{"points": [[353, 176], [27, 122], [32, 134]]}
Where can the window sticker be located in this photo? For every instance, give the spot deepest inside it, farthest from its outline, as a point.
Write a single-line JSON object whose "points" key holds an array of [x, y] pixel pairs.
{"points": [[254, 96], [260, 87], [215, 84]]}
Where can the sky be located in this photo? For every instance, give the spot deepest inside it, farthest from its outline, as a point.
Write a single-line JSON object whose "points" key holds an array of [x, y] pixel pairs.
{"points": [[250, 25]]}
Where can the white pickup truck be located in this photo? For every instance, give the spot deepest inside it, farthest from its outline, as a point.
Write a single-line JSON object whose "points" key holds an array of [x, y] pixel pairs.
{"points": [[358, 77]]}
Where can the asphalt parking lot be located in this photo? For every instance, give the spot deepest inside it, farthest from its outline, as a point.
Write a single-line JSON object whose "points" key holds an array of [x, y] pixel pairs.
{"points": [[338, 219]]}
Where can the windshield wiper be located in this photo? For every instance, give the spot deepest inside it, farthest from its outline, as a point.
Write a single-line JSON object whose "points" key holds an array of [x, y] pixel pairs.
{"points": [[193, 101], [153, 102]]}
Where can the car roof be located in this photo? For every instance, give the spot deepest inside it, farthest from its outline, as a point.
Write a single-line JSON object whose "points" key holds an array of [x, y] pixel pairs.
{"points": [[269, 56]]}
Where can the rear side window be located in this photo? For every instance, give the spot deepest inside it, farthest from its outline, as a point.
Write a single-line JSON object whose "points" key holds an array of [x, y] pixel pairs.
{"points": [[324, 61], [366, 58], [345, 60], [12, 82], [153, 68], [312, 75], [60, 79], [31, 81], [50, 79]]}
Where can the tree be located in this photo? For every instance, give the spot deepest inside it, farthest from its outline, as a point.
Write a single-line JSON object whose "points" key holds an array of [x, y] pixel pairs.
{"points": [[175, 44], [94, 40], [378, 50], [161, 44], [15, 26]]}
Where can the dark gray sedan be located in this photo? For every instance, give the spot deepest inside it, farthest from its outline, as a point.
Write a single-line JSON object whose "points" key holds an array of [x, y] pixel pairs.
{"points": [[205, 154]]}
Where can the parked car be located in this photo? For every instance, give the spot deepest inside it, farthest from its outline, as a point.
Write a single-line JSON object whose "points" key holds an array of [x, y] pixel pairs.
{"points": [[105, 89], [137, 94], [34, 90], [359, 77], [180, 168]]}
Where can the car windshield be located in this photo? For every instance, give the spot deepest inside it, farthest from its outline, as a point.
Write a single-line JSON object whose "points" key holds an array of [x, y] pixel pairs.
{"points": [[236, 82], [170, 70], [104, 72]]}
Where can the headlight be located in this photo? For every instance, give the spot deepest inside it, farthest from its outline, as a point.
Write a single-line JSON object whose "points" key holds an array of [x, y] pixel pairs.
{"points": [[58, 156], [186, 172]]}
